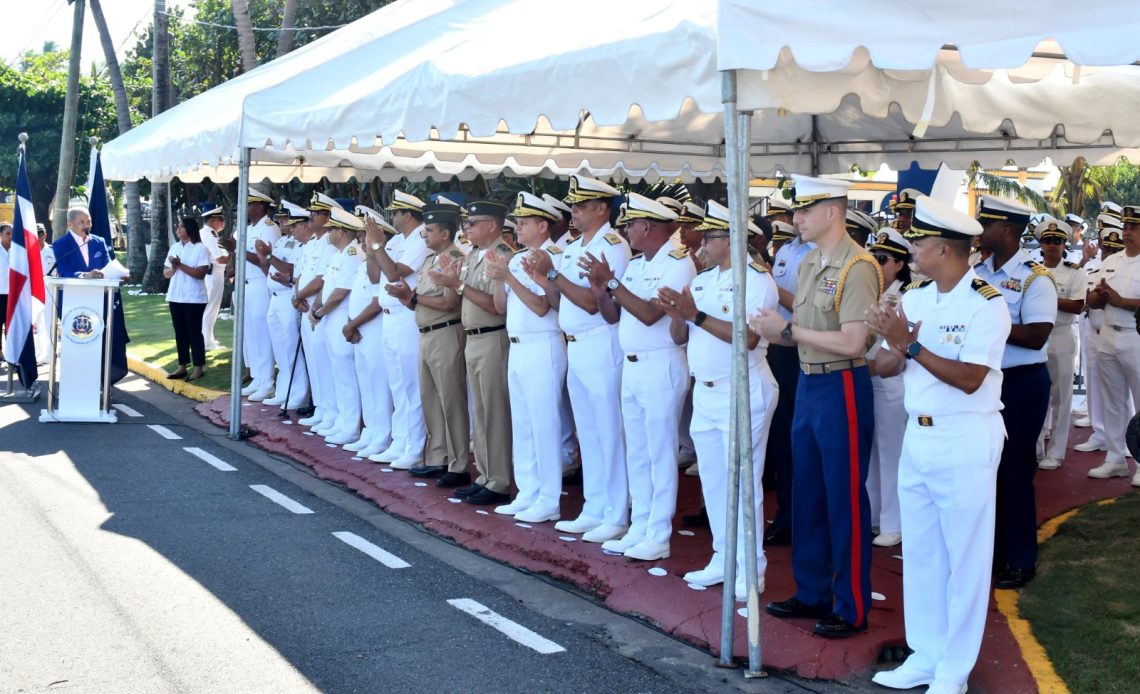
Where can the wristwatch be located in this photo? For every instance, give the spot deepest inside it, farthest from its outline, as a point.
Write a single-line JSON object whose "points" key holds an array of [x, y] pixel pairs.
{"points": [[552, 274], [913, 350], [459, 289], [377, 246], [612, 285], [700, 318], [786, 333]]}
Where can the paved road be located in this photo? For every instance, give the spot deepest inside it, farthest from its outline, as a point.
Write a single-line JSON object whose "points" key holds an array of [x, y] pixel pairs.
{"points": [[157, 556]]}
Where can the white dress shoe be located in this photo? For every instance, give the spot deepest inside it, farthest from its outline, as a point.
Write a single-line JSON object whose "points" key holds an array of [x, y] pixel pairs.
{"points": [[1107, 470], [581, 524], [693, 470], [1136, 478], [902, 677], [647, 550], [323, 428], [309, 421], [339, 438], [1090, 446], [359, 444], [407, 462], [604, 532], [741, 587], [623, 543], [516, 506], [710, 575], [944, 687], [1083, 423], [274, 401], [251, 388], [887, 539], [535, 514], [260, 395], [388, 455], [371, 450], [1048, 464]]}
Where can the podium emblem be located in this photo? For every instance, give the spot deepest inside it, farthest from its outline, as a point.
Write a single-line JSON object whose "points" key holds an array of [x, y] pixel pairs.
{"points": [[82, 325]]}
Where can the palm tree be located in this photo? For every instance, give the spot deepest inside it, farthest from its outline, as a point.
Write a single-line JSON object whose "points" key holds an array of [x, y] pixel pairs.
{"points": [[1076, 187], [136, 246], [67, 138], [245, 35], [153, 281], [1005, 187], [288, 22]]}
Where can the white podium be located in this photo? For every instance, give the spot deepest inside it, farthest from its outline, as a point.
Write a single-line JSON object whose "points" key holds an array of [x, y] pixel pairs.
{"points": [[82, 332]]}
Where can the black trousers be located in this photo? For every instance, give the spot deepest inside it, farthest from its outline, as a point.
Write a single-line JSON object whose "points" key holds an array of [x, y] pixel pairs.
{"points": [[785, 365], [187, 320], [1025, 401], [3, 315]]}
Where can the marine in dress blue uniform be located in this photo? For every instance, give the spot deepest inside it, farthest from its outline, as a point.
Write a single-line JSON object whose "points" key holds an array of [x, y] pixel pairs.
{"points": [[1032, 301]]}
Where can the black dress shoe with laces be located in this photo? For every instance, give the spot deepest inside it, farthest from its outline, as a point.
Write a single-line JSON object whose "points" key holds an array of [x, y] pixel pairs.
{"points": [[700, 519], [467, 491], [427, 471], [835, 627], [485, 497], [1011, 578], [306, 411], [792, 607], [453, 479], [778, 535]]}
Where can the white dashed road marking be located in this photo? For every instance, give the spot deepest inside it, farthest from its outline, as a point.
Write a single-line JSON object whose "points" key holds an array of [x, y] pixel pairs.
{"points": [[163, 432], [512, 630], [279, 498], [210, 459], [383, 556], [127, 410]]}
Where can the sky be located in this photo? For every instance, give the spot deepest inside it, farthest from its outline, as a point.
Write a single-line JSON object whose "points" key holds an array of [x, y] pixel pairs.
{"points": [[28, 23]]}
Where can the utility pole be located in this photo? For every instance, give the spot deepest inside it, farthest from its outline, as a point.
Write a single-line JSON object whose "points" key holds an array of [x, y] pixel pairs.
{"points": [[70, 116]]}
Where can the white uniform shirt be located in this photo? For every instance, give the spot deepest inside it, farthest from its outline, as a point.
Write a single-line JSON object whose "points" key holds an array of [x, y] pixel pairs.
{"points": [[183, 288], [213, 248], [785, 267], [266, 231], [520, 319], [47, 260], [710, 358], [1071, 282], [1122, 274], [962, 325], [340, 271], [307, 271], [286, 249], [410, 250], [1095, 315], [1028, 299], [605, 244], [668, 268], [5, 264], [363, 291]]}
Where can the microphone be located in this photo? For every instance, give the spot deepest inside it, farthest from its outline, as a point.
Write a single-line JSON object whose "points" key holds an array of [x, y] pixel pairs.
{"points": [[67, 255]]}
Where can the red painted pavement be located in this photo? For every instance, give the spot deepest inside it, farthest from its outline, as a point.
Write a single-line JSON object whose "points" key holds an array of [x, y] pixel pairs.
{"points": [[667, 602]]}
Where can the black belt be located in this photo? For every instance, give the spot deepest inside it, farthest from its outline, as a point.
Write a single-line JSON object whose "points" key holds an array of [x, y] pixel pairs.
{"points": [[446, 324], [484, 331]]}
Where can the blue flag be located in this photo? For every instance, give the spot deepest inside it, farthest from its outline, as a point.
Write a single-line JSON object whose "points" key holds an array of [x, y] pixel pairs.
{"points": [[101, 227]]}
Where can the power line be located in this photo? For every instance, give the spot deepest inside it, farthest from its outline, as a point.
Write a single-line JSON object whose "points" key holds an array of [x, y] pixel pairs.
{"points": [[229, 26], [35, 34]]}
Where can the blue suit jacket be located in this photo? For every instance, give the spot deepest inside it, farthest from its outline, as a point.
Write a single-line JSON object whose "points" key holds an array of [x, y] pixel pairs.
{"points": [[69, 258]]}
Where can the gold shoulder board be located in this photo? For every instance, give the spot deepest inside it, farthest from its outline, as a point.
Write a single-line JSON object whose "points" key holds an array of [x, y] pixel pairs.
{"points": [[987, 290], [679, 254], [614, 239], [758, 267], [553, 250]]}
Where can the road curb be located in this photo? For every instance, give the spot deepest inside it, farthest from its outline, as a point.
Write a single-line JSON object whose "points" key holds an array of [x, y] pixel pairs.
{"points": [[156, 375]]}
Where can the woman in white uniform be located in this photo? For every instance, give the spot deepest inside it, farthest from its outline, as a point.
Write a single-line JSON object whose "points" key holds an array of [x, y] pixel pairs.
{"points": [[892, 252]]}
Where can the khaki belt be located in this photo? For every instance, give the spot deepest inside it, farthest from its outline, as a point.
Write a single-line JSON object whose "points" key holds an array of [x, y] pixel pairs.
{"points": [[832, 366], [484, 331], [446, 324]]}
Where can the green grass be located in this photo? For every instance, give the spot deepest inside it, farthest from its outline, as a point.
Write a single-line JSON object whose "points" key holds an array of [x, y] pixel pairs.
{"points": [[1084, 605], [152, 339]]}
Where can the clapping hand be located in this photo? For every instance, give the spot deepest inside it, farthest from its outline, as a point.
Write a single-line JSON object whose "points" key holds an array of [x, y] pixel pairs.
{"points": [[261, 248], [373, 233], [677, 305], [400, 290], [892, 325], [597, 270], [446, 273], [495, 266]]}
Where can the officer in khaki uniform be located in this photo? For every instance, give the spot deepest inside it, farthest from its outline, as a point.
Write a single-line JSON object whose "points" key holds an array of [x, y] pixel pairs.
{"points": [[486, 351], [443, 376], [834, 420]]}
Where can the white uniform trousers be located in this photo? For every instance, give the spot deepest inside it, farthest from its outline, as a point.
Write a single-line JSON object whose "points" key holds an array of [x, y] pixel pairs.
{"points": [[712, 405], [653, 392], [593, 375], [566, 418], [1059, 362], [400, 341], [256, 347], [309, 351], [284, 333], [372, 379], [948, 490], [1118, 367], [886, 448], [536, 374], [320, 370], [346, 392], [215, 287], [1089, 339]]}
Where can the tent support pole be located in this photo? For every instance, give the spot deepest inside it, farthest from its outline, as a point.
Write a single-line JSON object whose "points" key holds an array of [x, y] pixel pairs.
{"points": [[240, 224]]}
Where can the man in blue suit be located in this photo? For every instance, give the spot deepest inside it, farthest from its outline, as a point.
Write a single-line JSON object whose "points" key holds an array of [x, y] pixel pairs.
{"points": [[81, 254]]}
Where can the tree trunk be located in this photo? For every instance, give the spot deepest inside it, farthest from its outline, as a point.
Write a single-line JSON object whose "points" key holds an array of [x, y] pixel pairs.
{"points": [[136, 236], [245, 35], [288, 22], [67, 138], [153, 281]]}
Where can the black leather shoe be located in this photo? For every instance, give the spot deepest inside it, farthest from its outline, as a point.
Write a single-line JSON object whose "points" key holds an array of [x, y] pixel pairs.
{"points": [[425, 471], [700, 519], [1010, 578], [573, 478], [453, 479], [792, 607], [778, 535], [835, 627], [467, 491], [306, 411], [485, 497]]}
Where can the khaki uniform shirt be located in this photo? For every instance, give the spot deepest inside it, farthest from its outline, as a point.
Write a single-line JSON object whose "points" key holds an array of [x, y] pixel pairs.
{"points": [[473, 276], [829, 294], [426, 286]]}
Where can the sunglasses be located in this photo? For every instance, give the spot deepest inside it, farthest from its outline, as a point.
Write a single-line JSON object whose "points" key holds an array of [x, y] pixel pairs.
{"points": [[713, 237], [1051, 242], [882, 258]]}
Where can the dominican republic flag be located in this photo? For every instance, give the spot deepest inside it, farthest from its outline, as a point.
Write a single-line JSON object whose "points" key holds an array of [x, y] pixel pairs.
{"points": [[25, 283]]}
